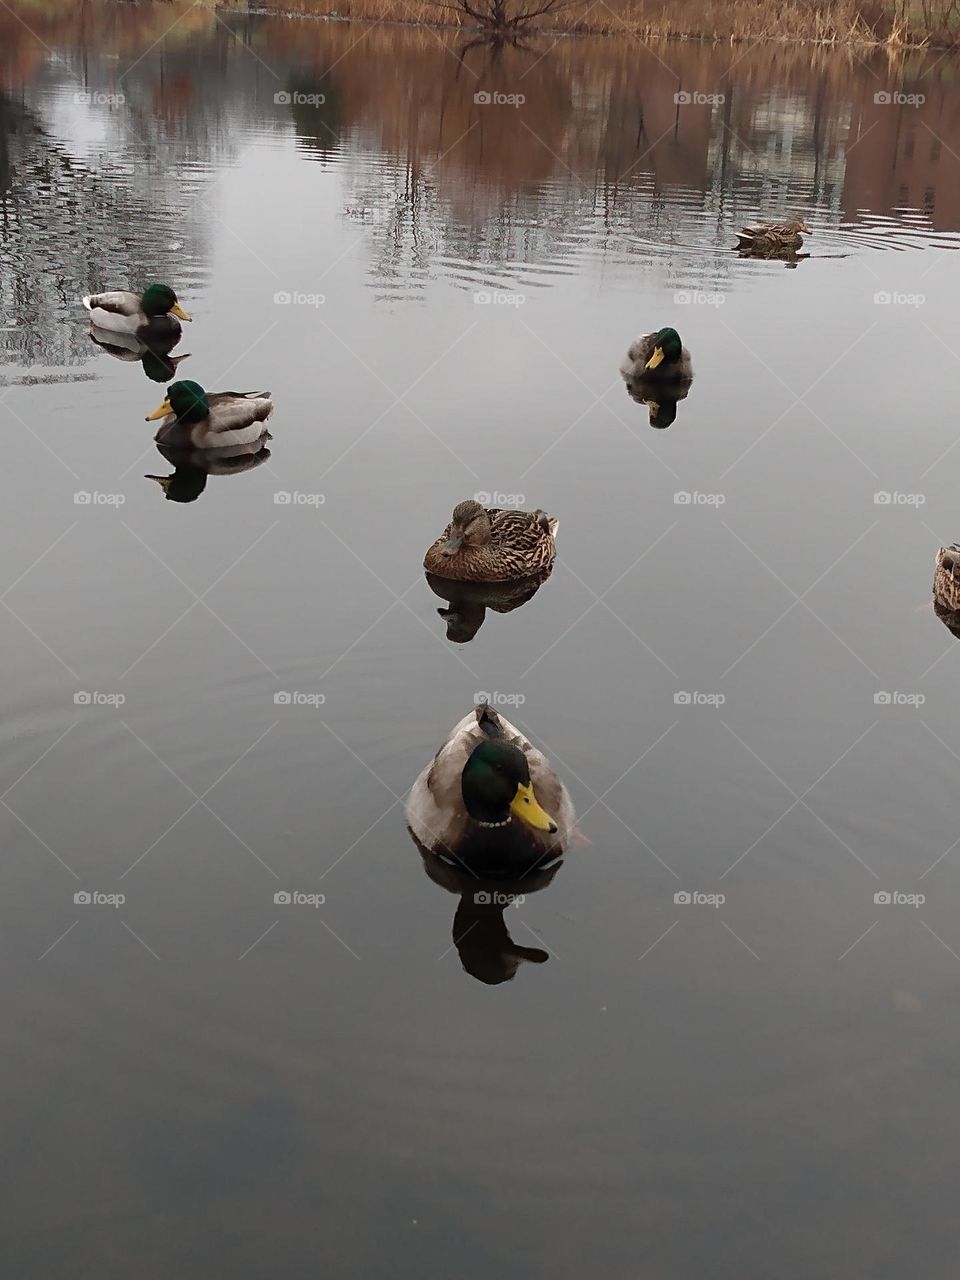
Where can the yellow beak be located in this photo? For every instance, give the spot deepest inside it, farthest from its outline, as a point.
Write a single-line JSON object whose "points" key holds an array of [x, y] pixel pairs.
{"points": [[162, 481], [655, 359], [161, 412], [178, 311], [525, 807]]}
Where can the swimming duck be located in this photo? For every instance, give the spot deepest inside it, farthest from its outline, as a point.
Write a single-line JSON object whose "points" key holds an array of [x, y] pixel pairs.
{"points": [[480, 800], [127, 312], [198, 419], [492, 545], [657, 357], [766, 237]]}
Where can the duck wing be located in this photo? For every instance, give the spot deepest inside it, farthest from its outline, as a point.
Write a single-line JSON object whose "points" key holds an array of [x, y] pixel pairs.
{"points": [[234, 410], [116, 302]]}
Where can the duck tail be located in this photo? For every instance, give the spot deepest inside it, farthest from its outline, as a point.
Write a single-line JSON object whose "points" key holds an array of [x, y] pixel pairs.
{"points": [[489, 721], [87, 301]]}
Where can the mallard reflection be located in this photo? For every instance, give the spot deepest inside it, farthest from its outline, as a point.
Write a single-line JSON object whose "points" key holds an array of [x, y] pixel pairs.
{"points": [[661, 401], [151, 348], [192, 466], [480, 933], [469, 601]]}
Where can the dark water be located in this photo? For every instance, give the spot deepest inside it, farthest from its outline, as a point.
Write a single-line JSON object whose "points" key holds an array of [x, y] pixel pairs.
{"points": [[204, 1082]]}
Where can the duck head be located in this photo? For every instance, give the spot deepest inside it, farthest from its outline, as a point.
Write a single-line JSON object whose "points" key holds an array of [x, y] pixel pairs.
{"points": [[667, 349], [187, 400], [496, 787], [469, 527], [160, 300]]}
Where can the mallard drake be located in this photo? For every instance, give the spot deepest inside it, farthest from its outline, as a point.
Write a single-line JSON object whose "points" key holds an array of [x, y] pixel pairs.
{"points": [[125, 312], [198, 419], [481, 799], [491, 545], [764, 237], [657, 357]]}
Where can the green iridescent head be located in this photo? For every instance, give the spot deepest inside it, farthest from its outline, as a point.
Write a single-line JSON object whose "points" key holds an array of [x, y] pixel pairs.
{"points": [[187, 400], [160, 300]]}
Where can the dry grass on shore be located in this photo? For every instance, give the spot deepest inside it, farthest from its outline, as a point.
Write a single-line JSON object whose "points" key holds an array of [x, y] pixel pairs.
{"points": [[887, 23]]}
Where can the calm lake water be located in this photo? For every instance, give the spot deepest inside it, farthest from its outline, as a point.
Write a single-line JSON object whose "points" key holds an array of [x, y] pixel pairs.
{"points": [[746, 692]]}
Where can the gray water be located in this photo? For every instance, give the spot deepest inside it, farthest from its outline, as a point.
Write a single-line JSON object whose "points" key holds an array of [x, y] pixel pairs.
{"points": [[747, 693]]}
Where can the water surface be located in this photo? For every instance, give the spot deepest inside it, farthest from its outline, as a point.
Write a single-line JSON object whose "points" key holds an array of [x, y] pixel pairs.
{"points": [[438, 291]]}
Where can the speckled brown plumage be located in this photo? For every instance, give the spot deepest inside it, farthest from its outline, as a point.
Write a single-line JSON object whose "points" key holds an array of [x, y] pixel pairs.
{"points": [[946, 587], [497, 545], [772, 235]]}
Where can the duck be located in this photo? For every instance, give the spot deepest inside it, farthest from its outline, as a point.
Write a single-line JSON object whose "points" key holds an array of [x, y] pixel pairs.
{"points": [[197, 419], [489, 800], [764, 238], [946, 581], [155, 310], [483, 544], [657, 357]]}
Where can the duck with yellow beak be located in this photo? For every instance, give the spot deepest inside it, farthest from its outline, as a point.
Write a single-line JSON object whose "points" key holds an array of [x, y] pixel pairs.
{"points": [[192, 418], [490, 800], [155, 312], [657, 357]]}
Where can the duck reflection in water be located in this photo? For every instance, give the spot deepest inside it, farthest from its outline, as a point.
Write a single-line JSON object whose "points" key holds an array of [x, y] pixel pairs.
{"points": [[946, 588], [469, 601], [661, 401], [480, 934], [192, 466], [151, 348]]}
